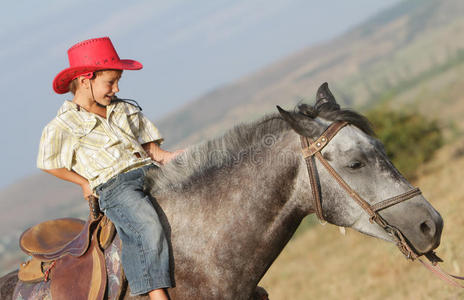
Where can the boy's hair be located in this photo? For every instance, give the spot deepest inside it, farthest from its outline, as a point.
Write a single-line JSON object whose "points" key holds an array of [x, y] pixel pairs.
{"points": [[74, 84]]}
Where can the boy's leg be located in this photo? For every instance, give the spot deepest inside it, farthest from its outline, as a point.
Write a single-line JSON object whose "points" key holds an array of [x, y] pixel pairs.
{"points": [[159, 294], [145, 253]]}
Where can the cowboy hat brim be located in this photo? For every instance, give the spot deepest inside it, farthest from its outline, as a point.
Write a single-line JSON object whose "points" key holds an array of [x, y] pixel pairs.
{"points": [[62, 80]]}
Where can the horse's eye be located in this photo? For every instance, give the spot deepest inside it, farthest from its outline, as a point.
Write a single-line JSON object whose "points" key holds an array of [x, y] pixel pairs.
{"points": [[355, 165]]}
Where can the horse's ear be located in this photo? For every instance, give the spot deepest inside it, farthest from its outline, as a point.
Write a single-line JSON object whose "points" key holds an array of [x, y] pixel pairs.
{"points": [[298, 122], [324, 95]]}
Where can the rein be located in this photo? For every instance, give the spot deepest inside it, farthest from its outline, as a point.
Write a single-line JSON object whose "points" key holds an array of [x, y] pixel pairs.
{"points": [[312, 150]]}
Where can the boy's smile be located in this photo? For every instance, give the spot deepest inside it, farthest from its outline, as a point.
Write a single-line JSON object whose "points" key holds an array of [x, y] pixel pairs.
{"points": [[97, 93], [105, 86]]}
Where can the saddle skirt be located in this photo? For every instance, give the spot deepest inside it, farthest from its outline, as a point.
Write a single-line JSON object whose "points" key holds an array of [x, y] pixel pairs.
{"points": [[114, 276], [69, 253]]}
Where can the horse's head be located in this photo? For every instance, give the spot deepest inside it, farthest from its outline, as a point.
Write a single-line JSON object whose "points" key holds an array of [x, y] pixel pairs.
{"points": [[359, 160]]}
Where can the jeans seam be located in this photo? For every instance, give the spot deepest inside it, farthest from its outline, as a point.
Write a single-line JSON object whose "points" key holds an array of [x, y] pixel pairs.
{"points": [[108, 186], [142, 256], [113, 184]]}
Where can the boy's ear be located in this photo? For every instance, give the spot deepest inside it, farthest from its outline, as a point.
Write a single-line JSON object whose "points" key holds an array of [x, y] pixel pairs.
{"points": [[84, 82]]}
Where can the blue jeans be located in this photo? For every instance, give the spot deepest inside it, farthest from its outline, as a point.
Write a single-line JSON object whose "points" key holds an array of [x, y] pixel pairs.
{"points": [[145, 252]]}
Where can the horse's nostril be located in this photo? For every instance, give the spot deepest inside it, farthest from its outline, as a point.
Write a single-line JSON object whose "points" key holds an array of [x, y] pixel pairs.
{"points": [[425, 228]]}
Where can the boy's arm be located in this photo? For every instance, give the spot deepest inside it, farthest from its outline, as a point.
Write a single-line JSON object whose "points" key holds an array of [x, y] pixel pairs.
{"points": [[73, 177], [158, 154]]}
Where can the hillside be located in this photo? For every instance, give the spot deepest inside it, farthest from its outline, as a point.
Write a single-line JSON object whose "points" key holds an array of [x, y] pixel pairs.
{"points": [[32, 200], [410, 56], [416, 44], [322, 264]]}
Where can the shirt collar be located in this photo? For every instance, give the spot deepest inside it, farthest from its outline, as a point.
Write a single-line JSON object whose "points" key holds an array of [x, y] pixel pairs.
{"points": [[79, 122], [124, 107], [116, 106], [67, 106]]}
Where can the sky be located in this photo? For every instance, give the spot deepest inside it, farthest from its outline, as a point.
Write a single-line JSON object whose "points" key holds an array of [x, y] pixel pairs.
{"points": [[188, 48]]}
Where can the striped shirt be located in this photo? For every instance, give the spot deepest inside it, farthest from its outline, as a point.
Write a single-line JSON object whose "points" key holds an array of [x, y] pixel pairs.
{"points": [[94, 147]]}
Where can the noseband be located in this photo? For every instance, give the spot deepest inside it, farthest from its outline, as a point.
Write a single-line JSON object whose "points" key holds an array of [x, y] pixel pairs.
{"points": [[312, 150]]}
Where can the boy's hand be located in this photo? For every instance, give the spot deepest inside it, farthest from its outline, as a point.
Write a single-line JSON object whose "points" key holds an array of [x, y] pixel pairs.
{"points": [[86, 190], [159, 155], [171, 155]]}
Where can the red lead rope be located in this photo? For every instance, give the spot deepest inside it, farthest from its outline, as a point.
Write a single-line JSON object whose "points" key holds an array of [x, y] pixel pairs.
{"points": [[435, 269]]}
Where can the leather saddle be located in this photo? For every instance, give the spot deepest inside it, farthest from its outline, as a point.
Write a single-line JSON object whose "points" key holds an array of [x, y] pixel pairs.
{"points": [[68, 251]]}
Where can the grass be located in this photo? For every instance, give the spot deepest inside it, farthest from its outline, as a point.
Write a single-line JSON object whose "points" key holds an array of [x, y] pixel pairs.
{"points": [[322, 264]]}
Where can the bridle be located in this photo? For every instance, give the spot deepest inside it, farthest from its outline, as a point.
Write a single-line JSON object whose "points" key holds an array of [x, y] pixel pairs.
{"points": [[312, 149]]}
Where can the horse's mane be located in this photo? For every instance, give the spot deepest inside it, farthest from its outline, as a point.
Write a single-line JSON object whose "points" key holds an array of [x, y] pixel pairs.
{"points": [[218, 153], [331, 111], [224, 151]]}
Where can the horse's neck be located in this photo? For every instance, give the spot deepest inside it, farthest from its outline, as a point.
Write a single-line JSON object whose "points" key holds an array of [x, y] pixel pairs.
{"points": [[238, 218], [285, 218]]}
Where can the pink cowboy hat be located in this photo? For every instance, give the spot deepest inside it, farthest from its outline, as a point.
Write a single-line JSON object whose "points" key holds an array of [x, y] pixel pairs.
{"points": [[89, 56]]}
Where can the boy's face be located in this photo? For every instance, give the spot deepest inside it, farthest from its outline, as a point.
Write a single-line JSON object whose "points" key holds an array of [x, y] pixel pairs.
{"points": [[105, 86]]}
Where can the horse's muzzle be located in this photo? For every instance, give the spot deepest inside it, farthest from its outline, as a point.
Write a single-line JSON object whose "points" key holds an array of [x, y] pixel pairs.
{"points": [[425, 234]]}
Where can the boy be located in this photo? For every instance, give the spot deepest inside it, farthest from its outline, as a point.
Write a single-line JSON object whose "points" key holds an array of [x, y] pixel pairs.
{"points": [[106, 145]]}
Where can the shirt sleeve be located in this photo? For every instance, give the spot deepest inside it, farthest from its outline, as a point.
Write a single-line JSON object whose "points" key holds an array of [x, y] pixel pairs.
{"points": [[55, 149], [148, 132]]}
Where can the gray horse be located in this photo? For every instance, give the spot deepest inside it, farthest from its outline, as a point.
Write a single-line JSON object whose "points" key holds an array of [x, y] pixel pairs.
{"points": [[230, 205]]}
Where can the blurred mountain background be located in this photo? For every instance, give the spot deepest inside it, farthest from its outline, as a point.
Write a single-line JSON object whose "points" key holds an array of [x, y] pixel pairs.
{"points": [[409, 57]]}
